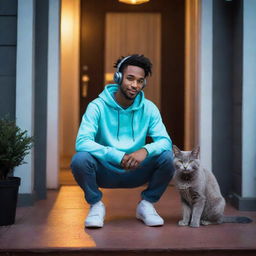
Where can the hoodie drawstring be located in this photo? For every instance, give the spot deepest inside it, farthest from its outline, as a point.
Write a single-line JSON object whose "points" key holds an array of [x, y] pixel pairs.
{"points": [[132, 125], [118, 121]]}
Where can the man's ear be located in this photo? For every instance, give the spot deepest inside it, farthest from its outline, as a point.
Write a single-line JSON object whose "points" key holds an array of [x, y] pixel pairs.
{"points": [[195, 152], [176, 150]]}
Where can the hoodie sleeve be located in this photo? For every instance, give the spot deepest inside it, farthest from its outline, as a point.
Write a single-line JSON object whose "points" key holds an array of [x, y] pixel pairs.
{"points": [[85, 140], [158, 133]]}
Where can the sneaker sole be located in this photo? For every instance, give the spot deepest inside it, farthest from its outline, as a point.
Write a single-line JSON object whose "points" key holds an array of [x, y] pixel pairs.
{"points": [[93, 225]]}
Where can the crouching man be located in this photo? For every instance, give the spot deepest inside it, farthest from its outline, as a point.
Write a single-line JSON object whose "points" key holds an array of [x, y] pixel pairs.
{"points": [[111, 144]]}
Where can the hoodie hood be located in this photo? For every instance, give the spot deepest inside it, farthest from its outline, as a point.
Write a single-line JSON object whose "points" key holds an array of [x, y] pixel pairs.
{"points": [[108, 96]]}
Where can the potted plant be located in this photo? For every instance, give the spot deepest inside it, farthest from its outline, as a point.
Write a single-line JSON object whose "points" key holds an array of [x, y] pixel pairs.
{"points": [[14, 146]]}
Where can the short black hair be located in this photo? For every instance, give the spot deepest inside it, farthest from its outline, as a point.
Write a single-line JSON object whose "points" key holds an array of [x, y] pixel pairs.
{"points": [[138, 60]]}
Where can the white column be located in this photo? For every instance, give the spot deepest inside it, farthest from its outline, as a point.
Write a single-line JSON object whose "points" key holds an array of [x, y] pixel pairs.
{"points": [[249, 102], [53, 95], [205, 90], [25, 86]]}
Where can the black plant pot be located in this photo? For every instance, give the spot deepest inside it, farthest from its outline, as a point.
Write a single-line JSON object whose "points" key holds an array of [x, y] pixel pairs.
{"points": [[8, 200]]}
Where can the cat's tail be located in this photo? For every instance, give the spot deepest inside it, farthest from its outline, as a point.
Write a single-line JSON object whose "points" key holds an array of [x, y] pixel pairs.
{"points": [[236, 219]]}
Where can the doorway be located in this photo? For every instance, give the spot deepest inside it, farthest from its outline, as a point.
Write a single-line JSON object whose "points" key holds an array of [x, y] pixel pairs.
{"points": [[87, 79], [171, 66]]}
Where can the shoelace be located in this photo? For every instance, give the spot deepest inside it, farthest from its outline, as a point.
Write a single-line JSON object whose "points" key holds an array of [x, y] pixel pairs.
{"points": [[94, 210], [150, 209]]}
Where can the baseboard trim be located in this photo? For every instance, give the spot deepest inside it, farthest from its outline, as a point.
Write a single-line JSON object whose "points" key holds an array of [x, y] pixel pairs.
{"points": [[26, 199], [243, 203]]}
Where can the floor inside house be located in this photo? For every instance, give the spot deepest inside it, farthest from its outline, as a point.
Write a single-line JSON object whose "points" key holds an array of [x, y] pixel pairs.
{"points": [[57, 224], [66, 177]]}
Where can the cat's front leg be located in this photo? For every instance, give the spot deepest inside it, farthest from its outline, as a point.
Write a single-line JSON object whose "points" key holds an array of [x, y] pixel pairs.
{"points": [[197, 210], [186, 214]]}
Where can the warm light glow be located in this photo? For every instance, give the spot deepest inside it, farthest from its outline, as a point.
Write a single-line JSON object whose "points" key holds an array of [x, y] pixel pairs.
{"points": [[67, 24], [109, 77], [133, 1], [68, 199]]}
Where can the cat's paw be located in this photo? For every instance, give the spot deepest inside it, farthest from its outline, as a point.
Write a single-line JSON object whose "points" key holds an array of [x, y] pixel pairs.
{"points": [[183, 223], [205, 222], [194, 225]]}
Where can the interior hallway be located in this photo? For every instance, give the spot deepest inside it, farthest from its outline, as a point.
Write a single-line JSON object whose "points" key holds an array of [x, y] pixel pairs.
{"points": [[66, 177], [56, 224]]}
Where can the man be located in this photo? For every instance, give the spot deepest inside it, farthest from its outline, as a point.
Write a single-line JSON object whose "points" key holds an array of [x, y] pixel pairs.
{"points": [[111, 144]]}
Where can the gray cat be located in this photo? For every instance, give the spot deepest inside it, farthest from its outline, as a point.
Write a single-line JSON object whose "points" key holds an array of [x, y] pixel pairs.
{"points": [[199, 190]]}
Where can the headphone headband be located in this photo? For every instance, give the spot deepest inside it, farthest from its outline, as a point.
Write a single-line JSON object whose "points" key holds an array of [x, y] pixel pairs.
{"points": [[121, 62], [118, 76]]}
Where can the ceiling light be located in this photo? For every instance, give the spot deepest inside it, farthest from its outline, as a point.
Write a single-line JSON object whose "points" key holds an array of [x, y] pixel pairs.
{"points": [[133, 1]]}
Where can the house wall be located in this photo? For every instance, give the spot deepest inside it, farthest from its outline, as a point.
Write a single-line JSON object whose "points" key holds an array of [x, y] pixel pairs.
{"points": [[237, 97], [205, 81], [234, 107], [31, 91], [40, 96], [8, 42], [222, 93], [249, 107], [53, 95], [25, 92]]}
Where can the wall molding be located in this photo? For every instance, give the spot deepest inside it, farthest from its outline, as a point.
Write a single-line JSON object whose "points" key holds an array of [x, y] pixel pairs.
{"points": [[53, 96], [205, 81], [26, 199], [243, 203]]}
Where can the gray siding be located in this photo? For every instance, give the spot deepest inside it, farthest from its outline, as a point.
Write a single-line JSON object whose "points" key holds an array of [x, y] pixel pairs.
{"points": [[40, 118], [237, 97], [8, 42], [222, 93], [227, 94]]}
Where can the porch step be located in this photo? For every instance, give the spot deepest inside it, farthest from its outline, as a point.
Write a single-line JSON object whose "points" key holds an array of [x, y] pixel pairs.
{"points": [[55, 227], [225, 252]]}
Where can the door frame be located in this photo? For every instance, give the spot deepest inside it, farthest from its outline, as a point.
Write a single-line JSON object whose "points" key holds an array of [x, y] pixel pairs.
{"points": [[204, 96]]}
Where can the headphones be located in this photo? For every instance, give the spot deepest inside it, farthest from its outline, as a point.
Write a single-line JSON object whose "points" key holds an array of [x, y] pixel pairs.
{"points": [[118, 76]]}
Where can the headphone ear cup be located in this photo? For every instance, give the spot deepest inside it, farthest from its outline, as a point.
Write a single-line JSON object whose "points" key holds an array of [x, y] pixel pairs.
{"points": [[144, 83], [118, 78]]}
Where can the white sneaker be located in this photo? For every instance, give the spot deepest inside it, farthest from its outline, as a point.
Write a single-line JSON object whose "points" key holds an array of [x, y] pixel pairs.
{"points": [[95, 217], [146, 212]]}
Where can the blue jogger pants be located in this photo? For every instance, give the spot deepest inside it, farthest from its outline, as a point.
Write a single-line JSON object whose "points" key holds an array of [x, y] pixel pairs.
{"points": [[91, 174]]}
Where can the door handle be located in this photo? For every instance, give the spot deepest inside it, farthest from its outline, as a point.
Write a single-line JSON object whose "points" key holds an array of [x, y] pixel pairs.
{"points": [[84, 87]]}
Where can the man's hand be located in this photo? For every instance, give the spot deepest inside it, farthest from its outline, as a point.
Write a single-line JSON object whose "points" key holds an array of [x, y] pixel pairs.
{"points": [[133, 160]]}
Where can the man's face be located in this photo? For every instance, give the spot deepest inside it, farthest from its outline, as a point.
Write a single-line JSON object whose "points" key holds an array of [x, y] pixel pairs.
{"points": [[133, 81]]}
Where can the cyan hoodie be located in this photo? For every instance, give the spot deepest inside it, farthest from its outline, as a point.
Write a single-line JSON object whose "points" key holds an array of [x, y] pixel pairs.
{"points": [[108, 131]]}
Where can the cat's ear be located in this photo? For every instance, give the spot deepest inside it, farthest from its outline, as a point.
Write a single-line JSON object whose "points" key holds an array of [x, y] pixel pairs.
{"points": [[176, 150], [195, 152]]}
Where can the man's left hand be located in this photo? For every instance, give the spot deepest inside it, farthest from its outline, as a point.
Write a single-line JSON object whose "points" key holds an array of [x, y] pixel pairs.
{"points": [[133, 160]]}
